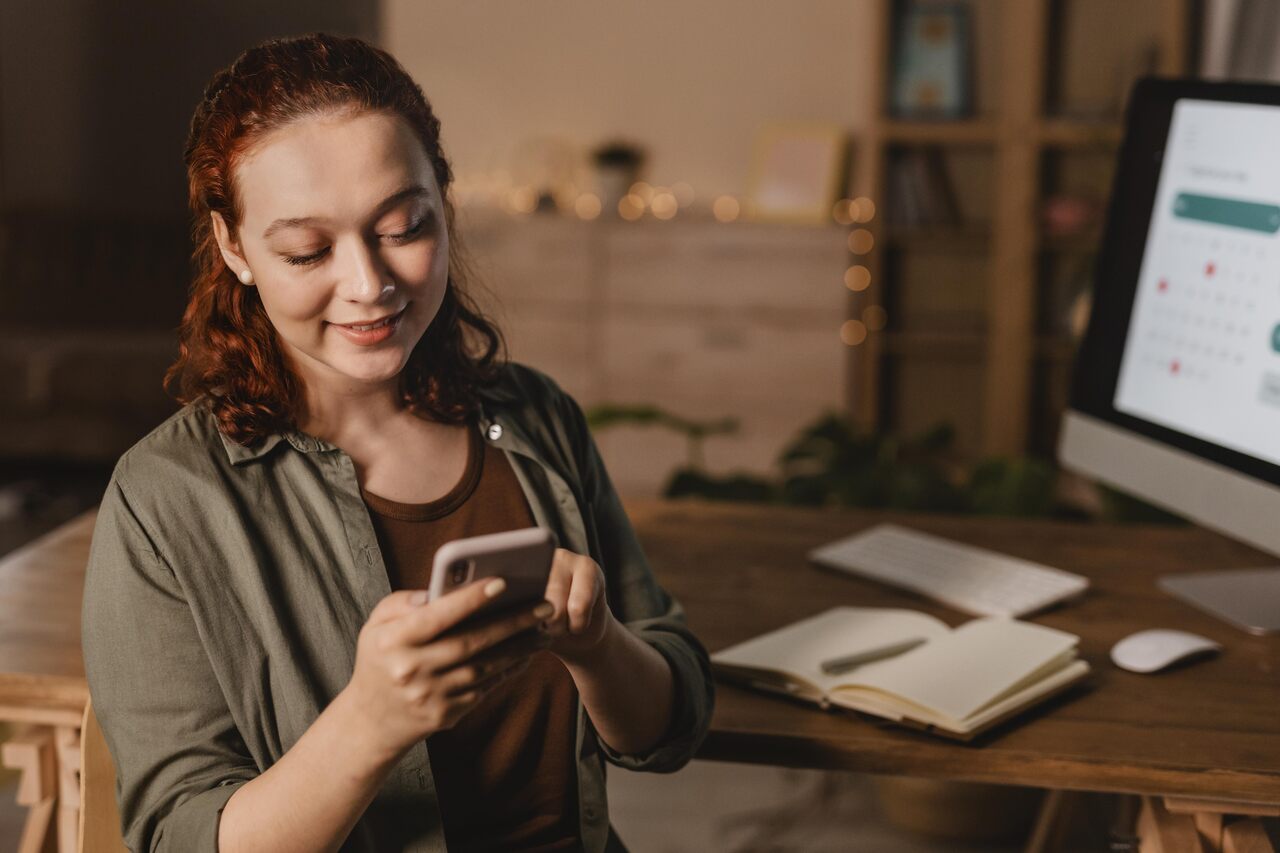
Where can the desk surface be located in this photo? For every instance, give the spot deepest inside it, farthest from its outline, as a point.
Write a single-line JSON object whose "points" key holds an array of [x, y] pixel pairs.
{"points": [[1209, 730]]}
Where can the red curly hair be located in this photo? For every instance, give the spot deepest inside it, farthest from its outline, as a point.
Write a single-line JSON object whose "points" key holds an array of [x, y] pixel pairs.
{"points": [[229, 353]]}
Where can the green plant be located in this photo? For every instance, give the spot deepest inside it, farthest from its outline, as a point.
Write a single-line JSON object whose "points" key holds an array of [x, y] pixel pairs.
{"points": [[832, 463]]}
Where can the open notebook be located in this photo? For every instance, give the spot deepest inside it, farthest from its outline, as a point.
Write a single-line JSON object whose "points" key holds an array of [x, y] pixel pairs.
{"points": [[958, 683]]}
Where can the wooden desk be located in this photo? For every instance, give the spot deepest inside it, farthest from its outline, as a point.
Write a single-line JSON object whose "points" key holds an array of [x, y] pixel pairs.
{"points": [[1206, 737], [42, 686]]}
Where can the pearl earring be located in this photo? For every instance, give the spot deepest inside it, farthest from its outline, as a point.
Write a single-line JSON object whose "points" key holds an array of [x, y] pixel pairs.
{"points": [[246, 277]]}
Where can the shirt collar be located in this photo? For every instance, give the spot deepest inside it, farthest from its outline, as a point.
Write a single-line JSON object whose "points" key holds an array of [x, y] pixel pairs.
{"points": [[493, 423], [239, 454]]}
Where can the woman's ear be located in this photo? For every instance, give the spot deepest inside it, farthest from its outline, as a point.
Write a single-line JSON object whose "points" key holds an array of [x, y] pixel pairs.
{"points": [[231, 253]]}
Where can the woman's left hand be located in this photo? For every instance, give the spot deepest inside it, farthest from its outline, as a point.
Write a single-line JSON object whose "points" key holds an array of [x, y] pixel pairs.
{"points": [[582, 616]]}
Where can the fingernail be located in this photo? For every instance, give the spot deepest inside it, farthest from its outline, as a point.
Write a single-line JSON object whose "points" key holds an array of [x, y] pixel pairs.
{"points": [[419, 597], [494, 587], [543, 610]]}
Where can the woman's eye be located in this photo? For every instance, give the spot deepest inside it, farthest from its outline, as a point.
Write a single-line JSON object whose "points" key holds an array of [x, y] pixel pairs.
{"points": [[305, 260], [408, 234]]}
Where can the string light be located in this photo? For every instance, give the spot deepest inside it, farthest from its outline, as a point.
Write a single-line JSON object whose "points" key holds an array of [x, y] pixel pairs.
{"points": [[587, 206], [853, 333], [864, 209], [630, 207], [861, 241], [726, 208], [664, 205], [523, 200], [842, 211], [643, 190], [857, 278]]}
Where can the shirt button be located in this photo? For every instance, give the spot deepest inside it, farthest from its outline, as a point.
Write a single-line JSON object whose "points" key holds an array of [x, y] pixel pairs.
{"points": [[590, 813], [495, 432]]}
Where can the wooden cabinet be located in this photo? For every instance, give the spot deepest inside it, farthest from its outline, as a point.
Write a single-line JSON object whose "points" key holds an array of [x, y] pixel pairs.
{"points": [[705, 319]]}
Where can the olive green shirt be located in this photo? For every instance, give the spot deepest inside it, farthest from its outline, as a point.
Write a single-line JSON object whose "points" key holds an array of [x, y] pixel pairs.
{"points": [[227, 586]]}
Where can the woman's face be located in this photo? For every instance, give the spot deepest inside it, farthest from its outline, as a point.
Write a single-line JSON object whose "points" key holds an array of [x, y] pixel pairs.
{"points": [[342, 225]]}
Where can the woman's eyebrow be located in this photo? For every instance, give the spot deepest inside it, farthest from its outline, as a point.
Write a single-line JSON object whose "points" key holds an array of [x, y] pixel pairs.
{"points": [[410, 191]]}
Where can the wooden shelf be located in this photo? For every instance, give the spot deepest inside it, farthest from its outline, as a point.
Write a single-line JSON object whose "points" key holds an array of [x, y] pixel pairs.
{"points": [[959, 131], [960, 238], [1079, 133], [956, 343], [1008, 185]]}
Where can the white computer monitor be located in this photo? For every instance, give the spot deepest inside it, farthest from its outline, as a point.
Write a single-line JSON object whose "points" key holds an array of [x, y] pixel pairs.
{"points": [[1176, 392]]}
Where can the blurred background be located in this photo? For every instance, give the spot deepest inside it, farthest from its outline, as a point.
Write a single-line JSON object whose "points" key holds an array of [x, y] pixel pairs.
{"points": [[829, 252]]}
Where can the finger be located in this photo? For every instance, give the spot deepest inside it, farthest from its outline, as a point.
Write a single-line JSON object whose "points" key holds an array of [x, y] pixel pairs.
{"points": [[463, 645], [482, 679], [559, 582], [582, 596], [461, 703], [425, 623], [395, 605]]}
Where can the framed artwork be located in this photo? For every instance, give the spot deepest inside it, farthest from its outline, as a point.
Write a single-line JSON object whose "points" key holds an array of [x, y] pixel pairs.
{"points": [[796, 172], [932, 58]]}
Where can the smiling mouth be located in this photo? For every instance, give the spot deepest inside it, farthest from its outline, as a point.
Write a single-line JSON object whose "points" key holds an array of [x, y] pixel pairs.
{"points": [[377, 324]]}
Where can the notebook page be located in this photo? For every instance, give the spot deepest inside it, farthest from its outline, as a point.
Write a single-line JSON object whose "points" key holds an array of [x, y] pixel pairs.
{"points": [[975, 664], [799, 648]]}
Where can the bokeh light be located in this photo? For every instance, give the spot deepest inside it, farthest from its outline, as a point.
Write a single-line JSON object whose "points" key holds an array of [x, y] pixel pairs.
{"points": [[853, 333], [664, 205], [726, 208], [861, 241], [864, 209], [587, 206], [857, 278]]}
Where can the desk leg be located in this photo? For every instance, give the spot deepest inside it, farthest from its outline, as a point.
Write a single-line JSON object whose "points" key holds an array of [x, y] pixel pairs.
{"points": [[67, 740], [1161, 831], [30, 750]]}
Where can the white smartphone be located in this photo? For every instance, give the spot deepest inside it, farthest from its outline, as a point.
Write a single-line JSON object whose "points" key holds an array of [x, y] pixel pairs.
{"points": [[520, 557]]}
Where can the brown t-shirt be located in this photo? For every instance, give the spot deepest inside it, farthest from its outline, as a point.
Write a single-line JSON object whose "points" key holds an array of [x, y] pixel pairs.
{"points": [[505, 773]]}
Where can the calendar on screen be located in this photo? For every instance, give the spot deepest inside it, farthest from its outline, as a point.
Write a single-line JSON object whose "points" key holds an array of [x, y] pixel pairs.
{"points": [[1202, 354]]}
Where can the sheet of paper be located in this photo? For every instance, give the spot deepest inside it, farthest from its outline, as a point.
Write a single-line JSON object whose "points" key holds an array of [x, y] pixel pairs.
{"points": [[975, 665], [800, 648]]}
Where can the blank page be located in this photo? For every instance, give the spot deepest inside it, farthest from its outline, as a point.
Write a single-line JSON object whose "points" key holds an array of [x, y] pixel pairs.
{"points": [[800, 648], [974, 665]]}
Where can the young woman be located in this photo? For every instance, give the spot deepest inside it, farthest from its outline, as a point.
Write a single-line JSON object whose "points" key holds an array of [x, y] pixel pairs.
{"points": [[262, 662]]}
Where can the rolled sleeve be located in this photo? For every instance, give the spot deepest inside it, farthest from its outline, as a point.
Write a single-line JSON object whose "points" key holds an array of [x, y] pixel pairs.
{"points": [[177, 752], [648, 611]]}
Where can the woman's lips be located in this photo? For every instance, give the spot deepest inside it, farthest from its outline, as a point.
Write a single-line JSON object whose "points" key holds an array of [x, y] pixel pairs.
{"points": [[368, 337]]}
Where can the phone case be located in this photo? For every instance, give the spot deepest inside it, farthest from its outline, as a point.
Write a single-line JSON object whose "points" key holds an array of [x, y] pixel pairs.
{"points": [[520, 557]]}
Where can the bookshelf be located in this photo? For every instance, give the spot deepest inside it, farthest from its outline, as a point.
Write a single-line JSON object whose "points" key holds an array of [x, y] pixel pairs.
{"points": [[996, 352]]}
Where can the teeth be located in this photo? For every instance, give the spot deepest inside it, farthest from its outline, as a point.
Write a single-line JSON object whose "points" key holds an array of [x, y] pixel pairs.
{"points": [[374, 326]]}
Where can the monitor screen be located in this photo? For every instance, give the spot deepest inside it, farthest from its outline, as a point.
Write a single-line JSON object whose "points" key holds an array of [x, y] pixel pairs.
{"points": [[1176, 391], [1202, 351]]}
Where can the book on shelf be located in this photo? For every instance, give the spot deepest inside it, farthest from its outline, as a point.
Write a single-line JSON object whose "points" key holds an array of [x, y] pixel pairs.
{"points": [[921, 190], [955, 683]]}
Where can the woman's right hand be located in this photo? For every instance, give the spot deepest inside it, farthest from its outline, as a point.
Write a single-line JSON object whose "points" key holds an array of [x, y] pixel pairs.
{"points": [[414, 676]]}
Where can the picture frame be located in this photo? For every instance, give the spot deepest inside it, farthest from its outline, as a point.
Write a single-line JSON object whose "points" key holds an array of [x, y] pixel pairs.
{"points": [[796, 173], [931, 74]]}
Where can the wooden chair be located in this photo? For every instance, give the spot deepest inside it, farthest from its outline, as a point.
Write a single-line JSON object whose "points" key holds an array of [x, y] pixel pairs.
{"points": [[99, 815]]}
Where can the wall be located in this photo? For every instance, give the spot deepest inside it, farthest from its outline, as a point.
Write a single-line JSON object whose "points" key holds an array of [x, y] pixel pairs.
{"points": [[694, 82], [96, 97]]}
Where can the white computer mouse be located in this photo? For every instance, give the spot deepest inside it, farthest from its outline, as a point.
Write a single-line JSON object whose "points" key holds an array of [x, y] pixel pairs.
{"points": [[1153, 650]]}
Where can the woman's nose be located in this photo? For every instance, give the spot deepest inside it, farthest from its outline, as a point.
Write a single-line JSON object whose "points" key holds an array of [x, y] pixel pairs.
{"points": [[364, 279]]}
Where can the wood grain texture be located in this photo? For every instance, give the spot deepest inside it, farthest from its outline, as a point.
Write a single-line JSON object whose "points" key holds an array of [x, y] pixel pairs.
{"points": [[1209, 730], [41, 586]]}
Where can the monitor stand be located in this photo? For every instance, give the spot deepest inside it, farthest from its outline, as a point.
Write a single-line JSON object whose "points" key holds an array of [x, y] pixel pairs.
{"points": [[1247, 598]]}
